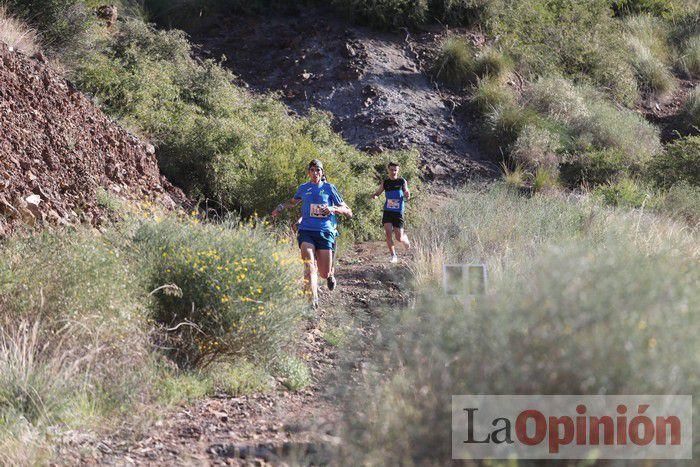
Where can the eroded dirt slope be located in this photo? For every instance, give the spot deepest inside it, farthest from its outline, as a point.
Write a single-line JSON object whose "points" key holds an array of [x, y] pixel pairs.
{"points": [[372, 83], [57, 149]]}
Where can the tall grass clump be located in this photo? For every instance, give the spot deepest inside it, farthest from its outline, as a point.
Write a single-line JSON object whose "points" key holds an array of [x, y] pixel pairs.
{"points": [[594, 125], [222, 292], [584, 300], [682, 202], [63, 24], [680, 162], [74, 345], [690, 56], [492, 62], [459, 64], [17, 34], [691, 111], [490, 93], [660, 8], [579, 40], [89, 302], [647, 42], [536, 148], [455, 61]]}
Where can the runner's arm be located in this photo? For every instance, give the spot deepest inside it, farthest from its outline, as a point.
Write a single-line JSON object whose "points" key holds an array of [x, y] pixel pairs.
{"points": [[282, 206], [378, 192], [343, 209], [406, 192]]}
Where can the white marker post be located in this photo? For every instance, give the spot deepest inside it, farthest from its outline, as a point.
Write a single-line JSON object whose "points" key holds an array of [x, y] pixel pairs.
{"points": [[464, 281]]}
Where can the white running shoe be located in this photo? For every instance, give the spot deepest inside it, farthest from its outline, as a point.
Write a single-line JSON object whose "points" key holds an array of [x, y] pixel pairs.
{"points": [[394, 259]]}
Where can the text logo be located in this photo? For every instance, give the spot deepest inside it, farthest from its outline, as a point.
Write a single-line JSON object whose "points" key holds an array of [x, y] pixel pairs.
{"points": [[572, 427]]}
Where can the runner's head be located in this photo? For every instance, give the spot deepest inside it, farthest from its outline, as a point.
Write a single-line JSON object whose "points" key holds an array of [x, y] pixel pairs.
{"points": [[393, 169], [316, 173]]}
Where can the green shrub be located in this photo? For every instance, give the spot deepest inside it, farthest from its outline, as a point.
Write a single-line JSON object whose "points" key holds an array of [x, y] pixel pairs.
{"points": [[62, 23], [596, 167], [679, 163], [293, 373], [386, 13], [691, 110], [581, 319], [690, 57], [576, 39], [227, 293], [623, 192], [594, 123], [456, 12], [455, 62], [647, 42], [490, 93]]}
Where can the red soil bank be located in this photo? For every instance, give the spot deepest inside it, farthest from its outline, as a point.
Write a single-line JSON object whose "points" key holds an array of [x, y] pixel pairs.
{"points": [[58, 150]]}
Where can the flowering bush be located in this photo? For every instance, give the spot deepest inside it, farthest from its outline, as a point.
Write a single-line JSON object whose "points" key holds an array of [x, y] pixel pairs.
{"points": [[222, 291]]}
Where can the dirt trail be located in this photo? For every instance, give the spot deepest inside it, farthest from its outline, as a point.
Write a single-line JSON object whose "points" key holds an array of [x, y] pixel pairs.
{"points": [[372, 83], [266, 427]]}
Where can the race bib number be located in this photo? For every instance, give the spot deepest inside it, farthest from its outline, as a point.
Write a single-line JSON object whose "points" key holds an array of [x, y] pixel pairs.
{"points": [[317, 210], [393, 204]]}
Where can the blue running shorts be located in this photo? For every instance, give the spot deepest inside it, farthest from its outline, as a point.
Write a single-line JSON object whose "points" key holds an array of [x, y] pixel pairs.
{"points": [[323, 240]]}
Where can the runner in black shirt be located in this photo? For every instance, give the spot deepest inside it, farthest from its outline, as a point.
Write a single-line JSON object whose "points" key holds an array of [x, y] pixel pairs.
{"points": [[396, 190]]}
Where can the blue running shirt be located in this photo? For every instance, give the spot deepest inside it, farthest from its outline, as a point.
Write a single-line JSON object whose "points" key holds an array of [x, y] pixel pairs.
{"points": [[313, 198], [393, 189]]}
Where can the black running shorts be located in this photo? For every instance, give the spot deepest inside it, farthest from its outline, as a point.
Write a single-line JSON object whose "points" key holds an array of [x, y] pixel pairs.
{"points": [[393, 218]]}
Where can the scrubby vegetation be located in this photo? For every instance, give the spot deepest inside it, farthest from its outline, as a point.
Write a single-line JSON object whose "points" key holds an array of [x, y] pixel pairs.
{"points": [[581, 300], [243, 152], [90, 322], [16, 34], [63, 24], [235, 288], [165, 311]]}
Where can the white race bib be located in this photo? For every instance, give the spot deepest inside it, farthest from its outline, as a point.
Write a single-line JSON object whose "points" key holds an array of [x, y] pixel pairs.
{"points": [[393, 204], [317, 210]]}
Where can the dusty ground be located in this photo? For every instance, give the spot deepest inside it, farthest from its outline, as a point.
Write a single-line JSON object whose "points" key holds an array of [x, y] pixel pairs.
{"points": [[667, 112], [374, 84], [276, 427]]}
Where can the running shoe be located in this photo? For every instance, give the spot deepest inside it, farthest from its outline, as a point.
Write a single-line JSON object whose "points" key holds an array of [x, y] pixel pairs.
{"points": [[394, 259], [331, 282]]}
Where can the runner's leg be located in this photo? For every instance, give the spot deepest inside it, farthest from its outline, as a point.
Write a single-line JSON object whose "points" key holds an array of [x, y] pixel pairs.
{"points": [[310, 278], [389, 241], [402, 237], [324, 259]]}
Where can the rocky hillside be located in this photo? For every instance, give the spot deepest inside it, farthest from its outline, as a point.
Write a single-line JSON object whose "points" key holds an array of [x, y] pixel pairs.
{"points": [[58, 151], [372, 83]]}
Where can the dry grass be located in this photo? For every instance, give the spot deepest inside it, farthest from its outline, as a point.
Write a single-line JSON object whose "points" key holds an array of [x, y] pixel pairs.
{"points": [[17, 35]]}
